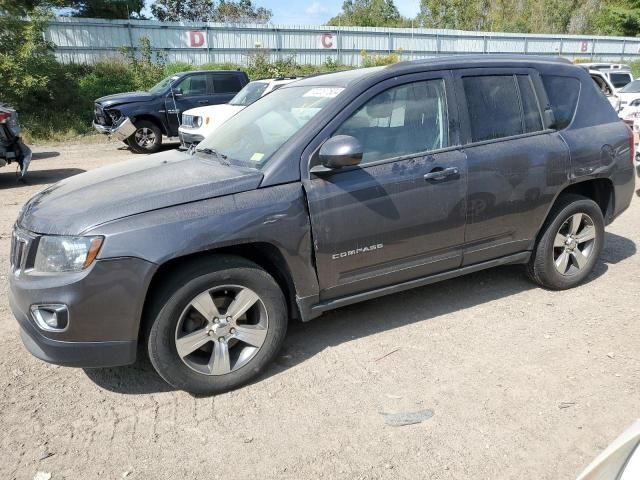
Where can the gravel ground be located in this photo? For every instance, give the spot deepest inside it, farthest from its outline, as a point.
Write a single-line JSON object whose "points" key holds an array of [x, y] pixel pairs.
{"points": [[522, 382]]}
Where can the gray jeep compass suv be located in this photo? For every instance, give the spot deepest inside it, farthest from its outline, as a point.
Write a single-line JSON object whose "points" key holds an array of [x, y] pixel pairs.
{"points": [[329, 191]]}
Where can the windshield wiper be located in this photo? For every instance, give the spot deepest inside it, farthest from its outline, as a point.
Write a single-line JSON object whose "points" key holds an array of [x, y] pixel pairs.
{"points": [[211, 151]]}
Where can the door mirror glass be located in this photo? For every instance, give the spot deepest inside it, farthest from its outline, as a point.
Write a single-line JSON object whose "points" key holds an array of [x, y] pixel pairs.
{"points": [[177, 91], [341, 151]]}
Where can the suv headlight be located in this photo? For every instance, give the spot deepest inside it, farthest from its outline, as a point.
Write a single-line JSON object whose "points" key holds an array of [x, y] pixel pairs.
{"points": [[66, 254], [197, 122]]}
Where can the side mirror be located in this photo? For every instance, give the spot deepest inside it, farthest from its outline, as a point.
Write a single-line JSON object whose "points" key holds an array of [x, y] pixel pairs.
{"points": [[341, 151], [177, 91]]}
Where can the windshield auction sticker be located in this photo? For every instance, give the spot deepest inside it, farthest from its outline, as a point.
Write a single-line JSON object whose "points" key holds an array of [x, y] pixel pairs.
{"points": [[323, 92]]}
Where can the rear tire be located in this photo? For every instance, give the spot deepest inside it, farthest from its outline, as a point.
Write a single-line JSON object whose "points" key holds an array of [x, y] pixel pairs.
{"points": [[146, 139], [571, 242], [196, 343]]}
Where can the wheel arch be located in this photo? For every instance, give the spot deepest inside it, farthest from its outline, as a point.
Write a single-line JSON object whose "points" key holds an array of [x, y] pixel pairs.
{"points": [[151, 118], [264, 254], [600, 190]]}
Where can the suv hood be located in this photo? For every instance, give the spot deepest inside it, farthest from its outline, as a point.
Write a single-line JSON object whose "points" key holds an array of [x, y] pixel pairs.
{"points": [[79, 203], [127, 97]]}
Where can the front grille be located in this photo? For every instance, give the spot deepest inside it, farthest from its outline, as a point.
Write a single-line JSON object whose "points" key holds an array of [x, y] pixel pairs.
{"points": [[21, 244]]}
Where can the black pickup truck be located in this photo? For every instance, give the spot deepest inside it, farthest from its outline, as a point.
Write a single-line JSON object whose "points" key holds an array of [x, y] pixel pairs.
{"points": [[141, 118]]}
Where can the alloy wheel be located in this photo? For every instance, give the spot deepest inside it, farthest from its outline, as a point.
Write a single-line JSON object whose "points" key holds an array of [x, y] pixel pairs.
{"points": [[574, 244], [145, 137], [221, 330]]}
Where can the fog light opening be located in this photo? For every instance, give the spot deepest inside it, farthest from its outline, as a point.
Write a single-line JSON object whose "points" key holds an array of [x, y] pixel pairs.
{"points": [[51, 318]]}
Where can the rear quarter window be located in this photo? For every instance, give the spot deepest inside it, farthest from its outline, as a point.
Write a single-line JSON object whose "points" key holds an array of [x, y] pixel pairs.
{"points": [[563, 95]]}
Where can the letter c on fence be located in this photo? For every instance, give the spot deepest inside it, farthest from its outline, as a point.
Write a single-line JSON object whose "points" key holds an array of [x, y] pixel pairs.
{"points": [[326, 39], [196, 39]]}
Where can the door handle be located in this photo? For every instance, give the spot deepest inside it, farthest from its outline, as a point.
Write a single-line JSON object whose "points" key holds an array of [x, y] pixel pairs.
{"points": [[203, 101], [438, 174]]}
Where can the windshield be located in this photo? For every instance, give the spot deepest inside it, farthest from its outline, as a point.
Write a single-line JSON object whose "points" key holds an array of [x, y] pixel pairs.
{"points": [[249, 94], [633, 87], [619, 79], [253, 135], [163, 84]]}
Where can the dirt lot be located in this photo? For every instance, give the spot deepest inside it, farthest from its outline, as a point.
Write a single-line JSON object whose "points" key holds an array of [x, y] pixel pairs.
{"points": [[524, 383]]}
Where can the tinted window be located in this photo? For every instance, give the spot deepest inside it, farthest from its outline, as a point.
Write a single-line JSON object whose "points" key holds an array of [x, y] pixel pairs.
{"points": [[226, 84], [619, 79], [633, 87], [194, 85], [249, 94], [563, 96], [530, 108], [400, 121], [494, 107]]}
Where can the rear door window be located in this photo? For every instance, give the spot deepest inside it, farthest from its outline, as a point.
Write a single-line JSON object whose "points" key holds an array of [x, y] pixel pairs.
{"points": [[494, 107], [530, 106], [226, 84], [563, 96]]}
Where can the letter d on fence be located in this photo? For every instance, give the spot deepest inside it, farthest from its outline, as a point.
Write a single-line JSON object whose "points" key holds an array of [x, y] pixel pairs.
{"points": [[196, 39]]}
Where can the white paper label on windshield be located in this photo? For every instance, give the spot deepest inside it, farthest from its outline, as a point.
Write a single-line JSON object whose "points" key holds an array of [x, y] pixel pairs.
{"points": [[323, 92]]}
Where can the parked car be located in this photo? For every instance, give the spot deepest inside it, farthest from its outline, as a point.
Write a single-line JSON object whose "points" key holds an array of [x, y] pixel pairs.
{"points": [[141, 118], [630, 94], [329, 191], [199, 122], [12, 148], [605, 66], [619, 78], [606, 87]]}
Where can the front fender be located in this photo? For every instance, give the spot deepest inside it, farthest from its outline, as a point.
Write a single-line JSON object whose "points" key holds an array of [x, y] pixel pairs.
{"points": [[275, 215]]}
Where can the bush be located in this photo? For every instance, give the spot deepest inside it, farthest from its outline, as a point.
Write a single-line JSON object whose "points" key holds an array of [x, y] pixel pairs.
{"points": [[379, 60]]}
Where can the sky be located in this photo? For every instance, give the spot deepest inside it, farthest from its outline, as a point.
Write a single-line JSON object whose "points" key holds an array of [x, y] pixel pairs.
{"points": [[315, 12]]}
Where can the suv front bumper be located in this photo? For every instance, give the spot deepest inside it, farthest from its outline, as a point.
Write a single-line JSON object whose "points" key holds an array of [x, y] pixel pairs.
{"points": [[123, 130], [188, 139], [104, 305]]}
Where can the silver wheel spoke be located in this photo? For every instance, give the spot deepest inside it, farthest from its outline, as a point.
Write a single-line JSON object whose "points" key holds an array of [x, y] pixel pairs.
{"points": [[192, 341], [575, 223], [587, 233], [579, 257], [203, 303], [244, 300], [220, 363], [559, 240], [562, 262], [253, 335]]}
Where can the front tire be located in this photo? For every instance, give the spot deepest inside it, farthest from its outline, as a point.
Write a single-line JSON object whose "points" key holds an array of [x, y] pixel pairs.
{"points": [[217, 325], [571, 242], [146, 139]]}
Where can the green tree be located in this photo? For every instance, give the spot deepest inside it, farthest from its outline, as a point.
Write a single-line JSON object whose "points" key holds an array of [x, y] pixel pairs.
{"points": [[109, 8], [370, 13], [207, 11], [241, 11]]}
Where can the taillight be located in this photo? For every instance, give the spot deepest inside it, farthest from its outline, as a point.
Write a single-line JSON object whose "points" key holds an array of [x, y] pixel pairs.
{"points": [[632, 144], [4, 116]]}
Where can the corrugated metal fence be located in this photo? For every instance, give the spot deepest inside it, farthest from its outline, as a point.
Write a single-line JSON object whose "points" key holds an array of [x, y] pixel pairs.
{"points": [[88, 40]]}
